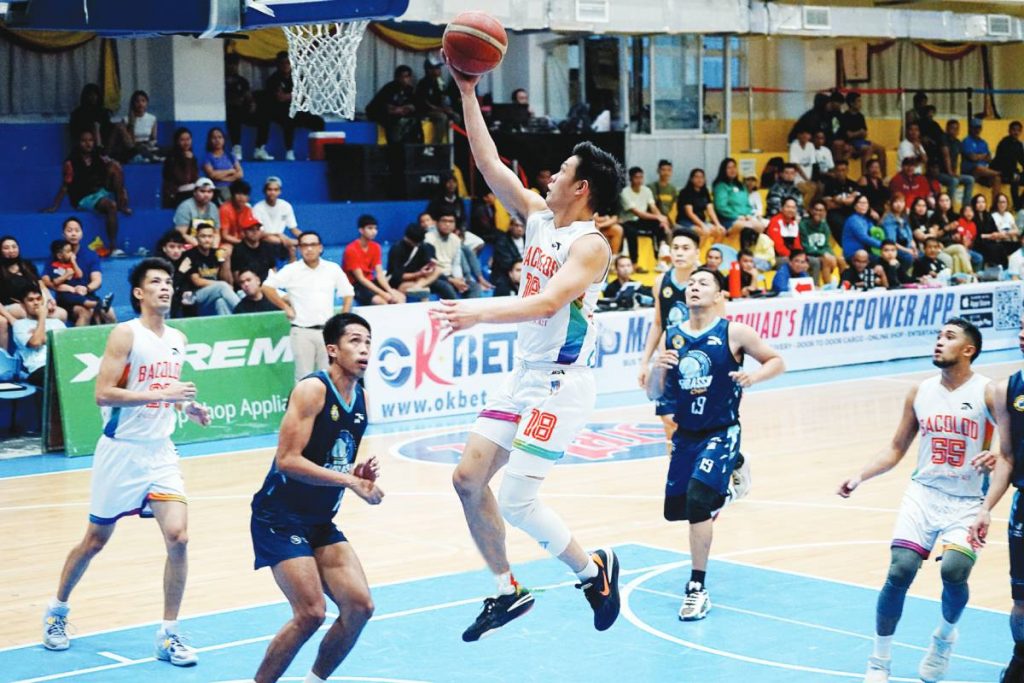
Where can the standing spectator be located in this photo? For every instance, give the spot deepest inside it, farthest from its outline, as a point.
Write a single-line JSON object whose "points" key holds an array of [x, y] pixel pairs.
{"points": [[814, 236], [976, 158], [412, 267], [910, 183], [929, 269], [240, 106], [898, 231], [220, 165], [394, 108], [696, 210], [732, 204], [365, 270], [896, 273], [823, 160], [254, 300], [210, 274], [609, 226], [91, 182], [235, 214], [783, 188], [433, 99], [857, 230], [950, 173], [481, 218], [180, 172], [946, 223], [861, 275], [276, 105], [1009, 161], [312, 284], [663, 190], [30, 331], [448, 252], [855, 131], [253, 252], [796, 267], [196, 211], [134, 138], [840, 192], [640, 215], [784, 230], [913, 147], [803, 157], [90, 281], [70, 285], [277, 217], [872, 183], [448, 202], [931, 133], [90, 115], [171, 246], [509, 248], [916, 112]]}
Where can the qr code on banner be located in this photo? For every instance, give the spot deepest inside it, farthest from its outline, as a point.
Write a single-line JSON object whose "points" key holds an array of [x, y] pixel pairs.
{"points": [[1008, 308]]}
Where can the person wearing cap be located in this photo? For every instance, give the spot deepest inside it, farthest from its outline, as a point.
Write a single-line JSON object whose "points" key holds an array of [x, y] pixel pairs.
{"points": [[434, 100], [277, 217], [364, 267], [235, 214], [976, 158], [910, 183], [197, 210], [253, 252]]}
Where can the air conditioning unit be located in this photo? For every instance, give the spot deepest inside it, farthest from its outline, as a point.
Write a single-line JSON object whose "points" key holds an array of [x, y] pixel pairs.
{"points": [[817, 18], [592, 11], [1000, 25]]}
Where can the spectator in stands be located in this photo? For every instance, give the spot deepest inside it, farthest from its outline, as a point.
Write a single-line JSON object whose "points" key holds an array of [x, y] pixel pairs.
{"points": [[784, 230], [253, 252], [763, 250], [69, 284], [968, 231], [254, 300], [91, 280], [448, 252], [910, 183], [913, 147], [219, 165], [412, 268], [796, 267], [313, 285], [751, 280], [931, 133], [92, 181], [235, 215], [785, 187], [90, 115], [434, 99], [30, 331], [14, 268], [732, 203], [861, 275], [9, 288], [471, 266], [1002, 216], [1015, 267], [364, 267], [663, 190], [1009, 161], [977, 158], [753, 196], [771, 171], [515, 274], [823, 160], [623, 278], [276, 105], [896, 273], [873, 184], [931, 177], [509, 247], [898, 231], [180, 172], [920, 223], [855, 132], [196, 211], [210, 274], [834, 125], [171, 246], [818, 117], [134, 139], [916, 112], [997, 239], [240, 107], [814, 237], [929, 268], [713, 259], [612, 231], [394, 108], [802, 157], [857, 230], [541, 182], [640, 215], [696, 210], [839, 194], [950, 173], [277, 217], [448, 201], [950, 233], [481, 217]]}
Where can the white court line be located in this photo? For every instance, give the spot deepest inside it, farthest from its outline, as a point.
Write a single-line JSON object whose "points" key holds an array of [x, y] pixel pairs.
{"points": [[115, 657]]}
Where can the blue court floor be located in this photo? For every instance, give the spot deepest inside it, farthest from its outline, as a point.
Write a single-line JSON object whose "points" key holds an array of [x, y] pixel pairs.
{"points": [[766, 626]]}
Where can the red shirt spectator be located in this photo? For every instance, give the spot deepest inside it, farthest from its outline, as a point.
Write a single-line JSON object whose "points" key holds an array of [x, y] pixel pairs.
{"points": [[233, 221], [911, 184], [358, 258], [784, 229]]}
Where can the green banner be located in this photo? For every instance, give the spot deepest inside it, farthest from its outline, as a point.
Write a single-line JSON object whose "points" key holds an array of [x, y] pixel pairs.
{"points": [[241, 365]]}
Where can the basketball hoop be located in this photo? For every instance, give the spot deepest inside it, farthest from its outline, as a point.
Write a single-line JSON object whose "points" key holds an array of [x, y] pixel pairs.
{"points": [[323, 60]]}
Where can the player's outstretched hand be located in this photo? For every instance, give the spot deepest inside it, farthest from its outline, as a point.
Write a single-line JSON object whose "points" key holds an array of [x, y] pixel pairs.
{"points": [[367, 490], [176, 392], [464, 81], [984, 461], [368, 470], [198, 413], [454, 316], [741, 378], [848, 487], [978, 533]]}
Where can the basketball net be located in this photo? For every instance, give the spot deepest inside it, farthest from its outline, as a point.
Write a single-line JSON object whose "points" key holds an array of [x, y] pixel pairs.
{"points": [[323, 60]]}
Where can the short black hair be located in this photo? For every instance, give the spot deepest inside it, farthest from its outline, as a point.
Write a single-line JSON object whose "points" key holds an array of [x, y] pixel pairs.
{"points": [[314, 233], [71, 219], [852, 97], [168, 237], [719, 278], [138, 274], [1014, 124], [401, 70], [888, 243], [604, 175], [445, 212], [793, 253], [633, 170], [664, 162], [932, 239], [688, 233], [239, 187], [713, 249], [364, 220], [919, 97], [21, 288], [786, 200], [206, 225], [415, 233], [57, 245], [841, 162], [816, 202], [746, 252], [283, 54], [972, 332], [247, 268], [336, 324], [789, 167]]}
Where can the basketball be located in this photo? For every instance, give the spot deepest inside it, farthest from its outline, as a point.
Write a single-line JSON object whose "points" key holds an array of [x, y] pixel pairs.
{"points": [[475, 43]]}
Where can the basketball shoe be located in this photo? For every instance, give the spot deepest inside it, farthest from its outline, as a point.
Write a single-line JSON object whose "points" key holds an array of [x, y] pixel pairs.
{"points": [[602, 591], [935, 663], [169, 648], [740, 482], [696, 604], [498, 611], [55, 628], [878, 670]]}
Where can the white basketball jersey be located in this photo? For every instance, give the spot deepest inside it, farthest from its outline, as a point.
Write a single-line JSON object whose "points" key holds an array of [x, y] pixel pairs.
{"points": [[569, 337], [953, 426], [153, 363]]}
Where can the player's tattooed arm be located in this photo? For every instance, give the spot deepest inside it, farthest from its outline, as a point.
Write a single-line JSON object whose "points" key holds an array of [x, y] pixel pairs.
{"points": [[890, 456]]}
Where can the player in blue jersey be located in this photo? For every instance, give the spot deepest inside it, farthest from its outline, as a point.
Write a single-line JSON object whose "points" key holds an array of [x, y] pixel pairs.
{"points": [[1008, 400], [705, 362], [292, 528]]}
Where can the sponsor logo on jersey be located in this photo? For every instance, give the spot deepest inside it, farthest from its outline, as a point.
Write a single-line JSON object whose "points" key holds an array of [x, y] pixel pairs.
{"points": [[966, 405], [335, 413], [666, 292], [695, 372], [678, 341], [714, 341], [1018, 403]]}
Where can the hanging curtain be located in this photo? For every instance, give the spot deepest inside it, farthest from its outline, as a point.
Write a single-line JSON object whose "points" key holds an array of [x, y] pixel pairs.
{"points": [[415, 36], [47, 41]]}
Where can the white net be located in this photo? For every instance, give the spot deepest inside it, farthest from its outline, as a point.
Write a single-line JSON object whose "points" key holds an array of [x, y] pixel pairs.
{"points": [[323, 60]]}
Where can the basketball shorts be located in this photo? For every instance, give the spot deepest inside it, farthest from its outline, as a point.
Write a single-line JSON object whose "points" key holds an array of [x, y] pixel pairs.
{"points": [[273, 542], [363, 295], [709, 457], [928, 517], [128, 475], [1015, 531], [537, 413]]}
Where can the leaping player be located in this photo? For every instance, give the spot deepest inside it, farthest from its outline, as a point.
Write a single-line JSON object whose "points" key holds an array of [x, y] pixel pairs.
{"points": [[952, 414], [135, 470], [527, 425]]}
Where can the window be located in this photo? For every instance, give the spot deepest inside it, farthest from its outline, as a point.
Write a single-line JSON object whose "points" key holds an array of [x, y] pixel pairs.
{"points": [[676, 82]]}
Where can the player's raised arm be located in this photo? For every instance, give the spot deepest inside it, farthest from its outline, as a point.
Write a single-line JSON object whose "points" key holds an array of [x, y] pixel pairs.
{"points": [[891, 456], [499, 177], [109, 393], [999, 480], [748, 342]]}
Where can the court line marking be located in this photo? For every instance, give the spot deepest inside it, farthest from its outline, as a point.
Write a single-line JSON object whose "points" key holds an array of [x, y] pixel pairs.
{"points": [[115, 657]]}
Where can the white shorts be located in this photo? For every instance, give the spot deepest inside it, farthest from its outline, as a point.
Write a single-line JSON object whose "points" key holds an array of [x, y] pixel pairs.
{"points": [[927, 516], [127, 475], [537, 414]]}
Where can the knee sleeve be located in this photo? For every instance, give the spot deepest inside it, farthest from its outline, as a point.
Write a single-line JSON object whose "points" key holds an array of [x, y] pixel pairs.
{"points": [[675, 508], [701, 501], [519, 505], [903, 568]]}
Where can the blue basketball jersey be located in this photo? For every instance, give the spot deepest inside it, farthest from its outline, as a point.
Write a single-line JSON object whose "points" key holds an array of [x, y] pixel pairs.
{"points": [[672, 303], [333, 444], [706, 397], [1015, 407]]}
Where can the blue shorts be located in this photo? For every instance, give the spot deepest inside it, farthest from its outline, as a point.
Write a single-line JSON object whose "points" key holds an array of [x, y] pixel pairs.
{"points": [[1015, 531], [273, 542], [709, 457], [860, 143], [89, 202]]}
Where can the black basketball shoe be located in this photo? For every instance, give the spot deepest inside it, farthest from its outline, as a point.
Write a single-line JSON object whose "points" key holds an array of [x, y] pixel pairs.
{"points": [[602, 591], [497, 612]]}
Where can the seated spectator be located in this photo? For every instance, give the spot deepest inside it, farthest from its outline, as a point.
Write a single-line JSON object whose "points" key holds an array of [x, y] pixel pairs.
{"points": [[910, 183], [763, 250], [1015, 267], [481, 218], [541, 182], [90, 115], [471, 248], [818, 117], [732, 204], [91, 182], [931, 176], [833, 126], [855, 132], [235, 215], [873, 185], [515, 274], [448, 201], [254, 300], [896, 273], [609, 226], [448, 252], [898, 231], [276, 105], [949, 171], [931, 133], [913, 147], [796, 267], [180, 172], [394, 108], [412, 268], [919, 220], [508, 249], [947, 227], [784, 230], [134, 138], [623, 278], [90, 282], [365, 270], [1002, 216], [640, 215], [928, 269], [996, 241], [713, 259], [840, 193], [1009, 161], [277, 217], [30, 331], [253, 252], [916, 112], [696, 210], [66, 279], [434, 100], [814, 237], [823, 161], [753, 196], [802, 156], [977, 158], [171, 246], [857, 230], [211, 275], [861, 275], [785, 187], [196, 211], [664, 191], [13, 269], [751, 280], [219, 165], [241, 108]]}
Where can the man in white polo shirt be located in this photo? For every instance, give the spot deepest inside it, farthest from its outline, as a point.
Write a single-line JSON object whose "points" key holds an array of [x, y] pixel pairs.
{"points": [[312, 285]]}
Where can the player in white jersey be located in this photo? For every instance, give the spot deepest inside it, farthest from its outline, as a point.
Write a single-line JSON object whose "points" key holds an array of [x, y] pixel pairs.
{"points": [[135, 469], [952, 415], [529, 423]]}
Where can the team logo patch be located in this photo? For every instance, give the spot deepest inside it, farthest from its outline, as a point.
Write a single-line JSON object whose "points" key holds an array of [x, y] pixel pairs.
{"points": [[335, 413], [597, 442], [666, 292], [1018, 403], [677, 341], [296, 540]]}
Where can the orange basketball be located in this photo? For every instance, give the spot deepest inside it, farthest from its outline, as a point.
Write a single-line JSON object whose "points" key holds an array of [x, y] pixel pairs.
{"points": [[475, 42]]}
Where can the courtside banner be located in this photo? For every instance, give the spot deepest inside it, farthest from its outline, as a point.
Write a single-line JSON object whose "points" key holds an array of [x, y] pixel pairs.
{"points": [[241, 365]]}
